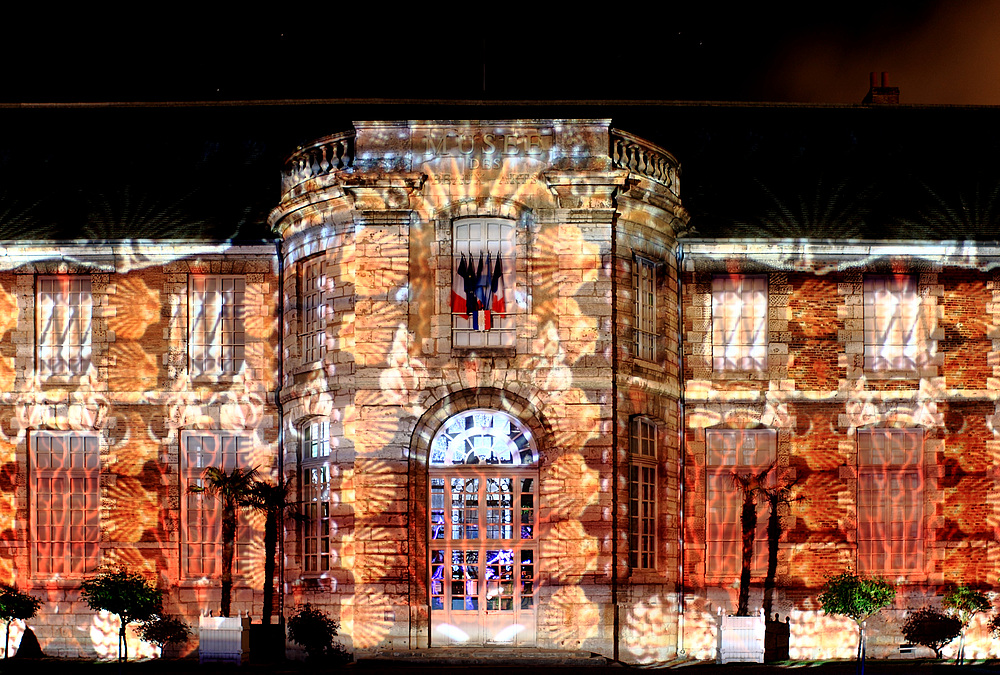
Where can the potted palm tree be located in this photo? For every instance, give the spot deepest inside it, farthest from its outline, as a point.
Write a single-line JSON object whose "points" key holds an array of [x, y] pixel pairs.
{"points": [[272, 500], [741, 636], [226, 638]]}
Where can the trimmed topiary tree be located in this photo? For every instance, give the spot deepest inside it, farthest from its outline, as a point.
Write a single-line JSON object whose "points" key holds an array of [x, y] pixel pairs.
{"points": [[128, 595], [931, 628], [858, 598], [16, 605], [965, 603]]}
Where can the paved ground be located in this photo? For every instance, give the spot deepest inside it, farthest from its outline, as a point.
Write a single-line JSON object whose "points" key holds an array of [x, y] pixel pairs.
{"points": [[386, 667]]}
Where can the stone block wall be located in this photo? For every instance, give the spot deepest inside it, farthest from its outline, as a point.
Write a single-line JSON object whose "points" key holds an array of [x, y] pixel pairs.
{"points": [[137, 398], [817, 395]]}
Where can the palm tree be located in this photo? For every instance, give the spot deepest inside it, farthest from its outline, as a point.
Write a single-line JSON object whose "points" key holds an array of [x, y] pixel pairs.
{"points": [[753, 488], [775, 496], [273, 501], [233, 490]]}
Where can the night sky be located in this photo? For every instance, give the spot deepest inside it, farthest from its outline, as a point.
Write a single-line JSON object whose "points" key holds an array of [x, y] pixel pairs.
{"points": [[937, 52], [176, 126]]}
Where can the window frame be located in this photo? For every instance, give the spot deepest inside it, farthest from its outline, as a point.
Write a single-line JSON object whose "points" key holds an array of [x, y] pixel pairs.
{"points": [[718, 480], [880, 532], [207, 509], [734, 348], [56, 343], [316, 528], [470, 333], [643, 487], [73, 566], [645, 334], [313, 298], [213, 348], [895, 342]]}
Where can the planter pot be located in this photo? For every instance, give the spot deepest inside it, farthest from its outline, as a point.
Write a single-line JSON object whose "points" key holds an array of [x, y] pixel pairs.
{"points": [[741, 638], [223, 638]]}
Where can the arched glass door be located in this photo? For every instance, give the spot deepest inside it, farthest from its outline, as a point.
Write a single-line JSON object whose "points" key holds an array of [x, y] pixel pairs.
{"points": [[482, 530]]}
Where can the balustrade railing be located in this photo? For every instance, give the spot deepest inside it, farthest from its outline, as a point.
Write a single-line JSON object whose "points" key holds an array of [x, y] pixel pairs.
{"points": [[328, 155], [632, 153]]}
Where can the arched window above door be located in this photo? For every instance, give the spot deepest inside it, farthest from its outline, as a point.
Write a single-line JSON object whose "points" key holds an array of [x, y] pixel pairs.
{"points": [[478, 437]]}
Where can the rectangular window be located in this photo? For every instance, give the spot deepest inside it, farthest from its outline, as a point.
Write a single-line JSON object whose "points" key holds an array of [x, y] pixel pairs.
{"points": [[739, 323], [895, 330], [483, 281], [890, 500], [733, 452], [642, 495], [313, 304], [65, 502], [644, 287], [201, 524], [217, 325], [64, 319], [317, 547]]}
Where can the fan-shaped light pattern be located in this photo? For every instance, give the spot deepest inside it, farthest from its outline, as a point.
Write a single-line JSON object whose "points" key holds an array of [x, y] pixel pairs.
{"points": [[400, 383], [377, 484], [376, 551], [568, 552], [569, 486], [650, 630], [134, 510], [368, 618], [515, 180], [569, 618], [134, 559], [104, 638], [8, 311], [135, 368], [483, 436], [261, 317], [136, 308]]}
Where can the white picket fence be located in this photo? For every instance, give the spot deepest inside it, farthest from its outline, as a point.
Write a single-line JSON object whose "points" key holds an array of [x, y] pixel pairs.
{"points": [[741, 638]]}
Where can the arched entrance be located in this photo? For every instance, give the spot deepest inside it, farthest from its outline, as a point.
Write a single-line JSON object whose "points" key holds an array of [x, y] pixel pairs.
{"points": [[482, 534]]}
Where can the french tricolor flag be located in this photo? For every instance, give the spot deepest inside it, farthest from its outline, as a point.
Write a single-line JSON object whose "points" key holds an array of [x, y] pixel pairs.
{"points": [[459, 305]]}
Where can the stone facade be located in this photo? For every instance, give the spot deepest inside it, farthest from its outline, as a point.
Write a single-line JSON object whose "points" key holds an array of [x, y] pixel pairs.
{"points": [[560, 480]]}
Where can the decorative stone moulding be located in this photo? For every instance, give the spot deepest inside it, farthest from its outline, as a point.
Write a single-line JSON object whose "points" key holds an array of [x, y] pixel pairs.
{"points": [[741, 638], [224, 639]]}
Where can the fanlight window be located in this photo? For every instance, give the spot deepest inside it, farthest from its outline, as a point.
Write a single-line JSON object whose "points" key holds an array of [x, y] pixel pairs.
{"points": [[483, 437]]}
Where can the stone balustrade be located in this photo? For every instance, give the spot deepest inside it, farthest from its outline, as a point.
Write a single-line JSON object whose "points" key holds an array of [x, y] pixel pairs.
{"points": [[325, 156], [632, 153]]}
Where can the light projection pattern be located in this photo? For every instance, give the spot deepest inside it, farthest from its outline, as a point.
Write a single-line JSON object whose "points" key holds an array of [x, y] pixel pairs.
{"points": [[133, 402], [836, 398]]}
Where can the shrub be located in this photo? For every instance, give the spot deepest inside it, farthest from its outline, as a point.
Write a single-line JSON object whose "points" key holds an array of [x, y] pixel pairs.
{"points": [[314, 630], [931, 628], [163, 630]]}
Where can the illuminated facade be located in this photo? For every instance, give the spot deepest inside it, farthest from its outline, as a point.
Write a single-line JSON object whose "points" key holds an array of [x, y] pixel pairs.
{"points": [[511, 387]]}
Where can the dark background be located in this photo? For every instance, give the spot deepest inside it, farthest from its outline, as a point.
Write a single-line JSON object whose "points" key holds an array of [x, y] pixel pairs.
{"points": [[177, 125]]}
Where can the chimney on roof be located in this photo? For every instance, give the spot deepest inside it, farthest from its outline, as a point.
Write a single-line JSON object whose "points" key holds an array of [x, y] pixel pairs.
{"points": [[881, 95]]}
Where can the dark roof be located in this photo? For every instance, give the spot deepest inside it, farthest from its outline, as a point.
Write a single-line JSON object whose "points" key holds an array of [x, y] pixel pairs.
{"points": [[213, 172]]}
